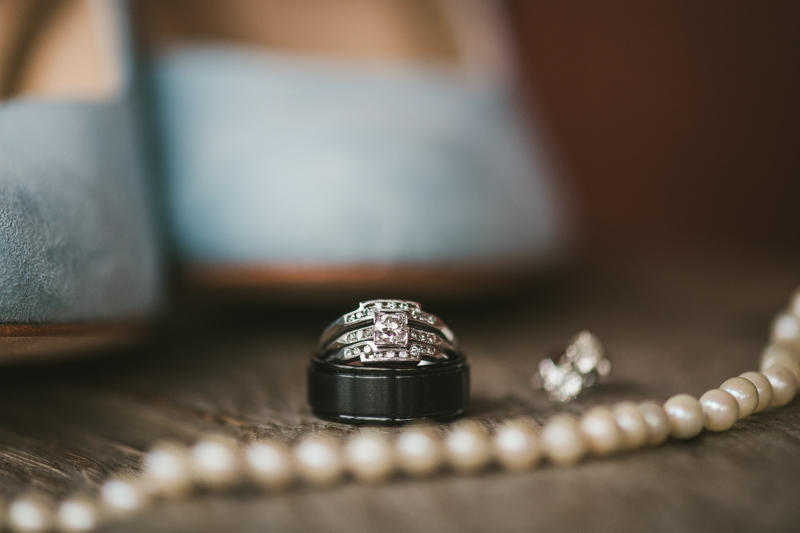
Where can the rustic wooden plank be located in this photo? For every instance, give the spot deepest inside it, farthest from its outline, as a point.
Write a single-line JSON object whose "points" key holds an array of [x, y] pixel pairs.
{"points": [[672, 324]]}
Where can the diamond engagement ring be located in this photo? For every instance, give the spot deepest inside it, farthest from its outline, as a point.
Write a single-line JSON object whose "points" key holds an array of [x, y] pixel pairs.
{"points": [[388, 331], [388, 362]]}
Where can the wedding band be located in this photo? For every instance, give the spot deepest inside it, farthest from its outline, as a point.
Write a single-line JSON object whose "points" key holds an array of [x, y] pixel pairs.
{"points": [[366, 312], [367, 334], [388, 331], [388, 362]]}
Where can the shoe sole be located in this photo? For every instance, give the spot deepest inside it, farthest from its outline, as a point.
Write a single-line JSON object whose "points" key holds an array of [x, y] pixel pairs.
{"points": [[308, 284], [28, 342]]}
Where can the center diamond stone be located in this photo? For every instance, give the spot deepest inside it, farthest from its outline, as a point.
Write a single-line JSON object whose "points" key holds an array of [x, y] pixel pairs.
{"points": [[390, 329]]}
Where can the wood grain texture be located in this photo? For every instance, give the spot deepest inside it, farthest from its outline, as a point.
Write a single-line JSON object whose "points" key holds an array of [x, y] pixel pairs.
{"points": [[671, 324]]}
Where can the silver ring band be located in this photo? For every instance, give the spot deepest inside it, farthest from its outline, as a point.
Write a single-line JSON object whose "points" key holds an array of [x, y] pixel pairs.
{"points": [[388, 331], [367, 352], [367, 333], [366, 312]]}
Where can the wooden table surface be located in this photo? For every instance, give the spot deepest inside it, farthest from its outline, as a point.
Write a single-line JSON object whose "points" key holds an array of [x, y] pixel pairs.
{"points": [[671, 323]]}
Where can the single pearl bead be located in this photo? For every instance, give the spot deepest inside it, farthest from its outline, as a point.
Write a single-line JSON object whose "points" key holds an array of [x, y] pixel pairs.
{"points": [[786, 328], [76, 514], [216, 461], [763, 387], [30, 514], [516, 446], [782, 355], [791, 350], [467, 447], [562, 440], [167, 470], [685, 415], [270, 464], [419, 451], [632, 424], [745, 392], [600, 431], [657, 422], [369, 457], [319, 461], [784, 386], [122, 496], [721, 409]]}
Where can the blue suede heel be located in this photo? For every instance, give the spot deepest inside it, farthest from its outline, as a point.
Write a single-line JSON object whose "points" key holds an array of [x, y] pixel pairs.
{"points": [[77, 242], [78, 245], [278, 161]]}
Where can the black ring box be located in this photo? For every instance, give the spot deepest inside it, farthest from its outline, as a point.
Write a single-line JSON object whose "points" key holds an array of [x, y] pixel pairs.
{"points": [[388, 395]]}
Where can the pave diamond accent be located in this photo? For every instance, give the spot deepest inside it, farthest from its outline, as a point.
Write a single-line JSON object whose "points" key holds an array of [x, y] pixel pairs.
{"points": [[423, 317], [422, 336], [415, 353], [368, 309], [358, 350], [371, 354], [418, 350], [357, 335], [390, 329]]}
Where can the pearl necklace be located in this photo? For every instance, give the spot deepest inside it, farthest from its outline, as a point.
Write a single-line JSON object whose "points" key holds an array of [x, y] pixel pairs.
{"points": [[218, 463]]}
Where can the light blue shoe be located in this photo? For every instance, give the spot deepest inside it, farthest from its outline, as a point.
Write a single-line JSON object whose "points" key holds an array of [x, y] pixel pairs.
{"points": [[296, 170], [79, 257]]}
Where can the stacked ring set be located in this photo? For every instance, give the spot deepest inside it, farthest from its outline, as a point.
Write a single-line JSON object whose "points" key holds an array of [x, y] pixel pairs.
{"points": [[388, 362]]}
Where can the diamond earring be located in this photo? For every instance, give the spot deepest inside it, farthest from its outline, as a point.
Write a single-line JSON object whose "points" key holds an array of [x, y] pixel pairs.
{"points": [[582, 365]]}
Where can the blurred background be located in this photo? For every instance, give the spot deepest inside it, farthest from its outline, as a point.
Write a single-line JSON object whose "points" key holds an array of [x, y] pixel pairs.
{"points": [[674, 129], [678, 123], [671, 124]]}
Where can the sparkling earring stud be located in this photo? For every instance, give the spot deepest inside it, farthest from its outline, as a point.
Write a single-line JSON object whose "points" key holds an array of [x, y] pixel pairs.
{"points": [[581, 366]]}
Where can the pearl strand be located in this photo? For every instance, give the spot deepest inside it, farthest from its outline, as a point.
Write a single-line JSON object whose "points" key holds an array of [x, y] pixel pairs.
{"points": [[217, 462]]}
